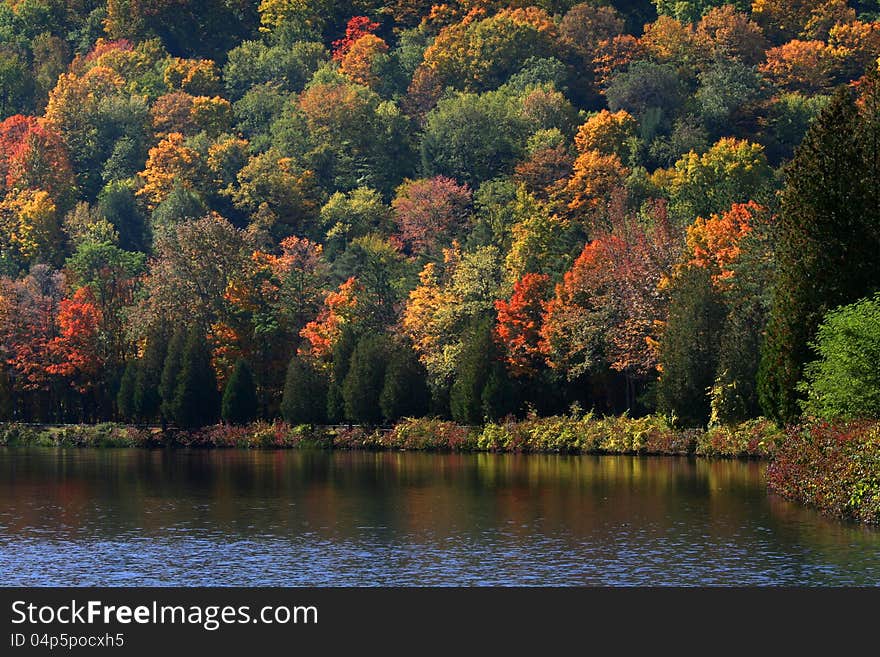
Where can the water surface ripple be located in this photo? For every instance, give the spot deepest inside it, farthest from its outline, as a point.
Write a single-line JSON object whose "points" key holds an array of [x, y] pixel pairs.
{"points": [[120, 517]]}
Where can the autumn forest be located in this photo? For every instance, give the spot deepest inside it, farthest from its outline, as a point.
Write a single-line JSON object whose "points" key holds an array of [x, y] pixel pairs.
{"points": [[352, 213]]}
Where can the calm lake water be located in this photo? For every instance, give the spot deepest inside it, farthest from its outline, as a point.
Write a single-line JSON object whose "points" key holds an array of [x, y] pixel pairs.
{"points": [[196, 518]]}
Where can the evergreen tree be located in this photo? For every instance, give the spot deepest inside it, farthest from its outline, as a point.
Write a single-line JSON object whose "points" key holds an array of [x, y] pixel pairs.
{"points": [[733, 397], [364, 381], [170, 372], [747, 300], [689, 347], [239, 403], [341, 360], [439, 404], [7, 405], [147, 399], [405, 390], [472, 373], [125, 396], [196, 400], [305, 394], [498, 397], [829, 238]]}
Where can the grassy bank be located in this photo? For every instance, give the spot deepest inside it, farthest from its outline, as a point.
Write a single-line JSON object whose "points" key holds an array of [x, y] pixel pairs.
{"points": [[560, 434]]}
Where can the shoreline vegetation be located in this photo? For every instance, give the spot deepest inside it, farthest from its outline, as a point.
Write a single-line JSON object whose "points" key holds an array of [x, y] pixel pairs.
{"points": [[564, 434], [834, 468]]}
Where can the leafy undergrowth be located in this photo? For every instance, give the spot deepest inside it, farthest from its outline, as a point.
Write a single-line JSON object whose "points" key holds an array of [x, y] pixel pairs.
{"points": [[754, 438], [832, 467], [106, 434], [587, 434], [562, 433]]}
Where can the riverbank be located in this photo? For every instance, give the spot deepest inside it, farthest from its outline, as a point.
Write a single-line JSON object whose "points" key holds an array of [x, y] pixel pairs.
{"points": [[834, 468], [558, 434]]}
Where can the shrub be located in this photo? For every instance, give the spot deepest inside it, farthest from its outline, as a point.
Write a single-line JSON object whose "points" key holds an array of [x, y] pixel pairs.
{"points": [[143, 437], [17, 434], [563, 434], [429, 434], [754, 438], [833, 467], [589, 435], [570, 434], [308, 436], [218, 435], [653, 434], [495, 438], [355, 438], [97, 435], [551, 434]]}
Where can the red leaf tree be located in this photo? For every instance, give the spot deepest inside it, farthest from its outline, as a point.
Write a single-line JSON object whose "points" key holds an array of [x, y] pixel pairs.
{"points": [[431, 212], [33, 156], [76, 350], [518, 329], [357, 27]]}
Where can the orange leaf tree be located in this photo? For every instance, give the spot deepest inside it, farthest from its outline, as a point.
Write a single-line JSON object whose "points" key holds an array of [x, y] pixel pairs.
{"points": [[518, 326], [76, 350]]}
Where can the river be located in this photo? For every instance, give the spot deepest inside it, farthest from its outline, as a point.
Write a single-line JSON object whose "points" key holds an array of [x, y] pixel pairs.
{"points": [[126, 517]]}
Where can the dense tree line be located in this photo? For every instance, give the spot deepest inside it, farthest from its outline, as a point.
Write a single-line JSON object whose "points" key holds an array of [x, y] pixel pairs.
{"points": [[219, 210]]}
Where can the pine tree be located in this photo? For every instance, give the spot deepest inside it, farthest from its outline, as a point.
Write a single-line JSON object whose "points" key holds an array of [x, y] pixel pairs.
{"points": [[125, 397], [239, 403], [472, 373], [341, 360], [364, 380], [735, 389], [170, 372], [305, 394], [147, 400], [498, 396], [7, 405], [689, 347], [829, 238], [405, 390], [196, 400]]}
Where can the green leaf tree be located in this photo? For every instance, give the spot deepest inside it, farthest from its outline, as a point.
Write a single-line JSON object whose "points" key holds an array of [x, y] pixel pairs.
{"points": [[844, 383], [147, 398], [473, 370]]}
